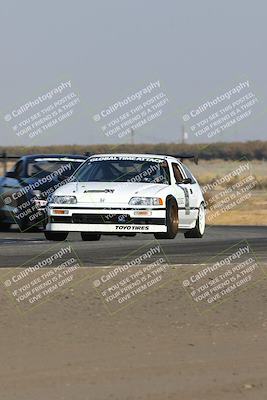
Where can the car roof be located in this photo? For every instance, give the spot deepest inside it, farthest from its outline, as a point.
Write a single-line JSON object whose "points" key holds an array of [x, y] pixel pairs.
{"points": [[146, 155], [34, 156]]}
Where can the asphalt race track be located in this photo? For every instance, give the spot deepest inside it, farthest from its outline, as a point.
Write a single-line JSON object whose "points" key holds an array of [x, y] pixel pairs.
{"points": [[17, 248]]}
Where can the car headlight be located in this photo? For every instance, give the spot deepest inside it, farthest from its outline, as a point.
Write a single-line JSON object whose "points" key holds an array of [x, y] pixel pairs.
{"points": [[146, 201], [63, 199]]}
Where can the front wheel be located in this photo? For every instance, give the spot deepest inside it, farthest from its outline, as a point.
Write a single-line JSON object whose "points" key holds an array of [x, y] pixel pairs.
{"points": [[22, 225], [171, 221], [90, 237], [5, 226], [199, 229], [56, 236]]}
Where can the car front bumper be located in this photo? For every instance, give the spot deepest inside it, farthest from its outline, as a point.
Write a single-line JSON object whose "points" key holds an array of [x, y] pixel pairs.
{"points": [[127, 220]]}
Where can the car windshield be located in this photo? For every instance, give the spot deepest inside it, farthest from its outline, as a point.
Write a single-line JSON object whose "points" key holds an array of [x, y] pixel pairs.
{"points": [[120, 169], [43, 167]]}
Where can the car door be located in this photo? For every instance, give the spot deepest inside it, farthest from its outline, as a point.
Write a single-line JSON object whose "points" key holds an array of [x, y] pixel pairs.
{"points": [[195, 191], [187, 210]]}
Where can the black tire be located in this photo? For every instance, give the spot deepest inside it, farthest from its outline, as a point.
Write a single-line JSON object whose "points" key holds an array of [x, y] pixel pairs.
{"points": [[56, 236], [22, 225], [196, 232], [5, 226], [171, 221], [90, 237]]}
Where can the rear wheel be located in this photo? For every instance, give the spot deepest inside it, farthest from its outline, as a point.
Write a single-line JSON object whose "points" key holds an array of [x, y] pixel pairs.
{"points": [[171, 221], [90, 237], [199, 229], [56, 236]]}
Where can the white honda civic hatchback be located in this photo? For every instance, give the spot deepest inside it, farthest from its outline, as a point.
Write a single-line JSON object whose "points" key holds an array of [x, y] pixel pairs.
{"points": [[125, 194]]}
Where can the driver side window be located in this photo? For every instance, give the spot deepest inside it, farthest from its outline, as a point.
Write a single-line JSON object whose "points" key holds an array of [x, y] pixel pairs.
{"points": [[177, 173], [18, 170]]}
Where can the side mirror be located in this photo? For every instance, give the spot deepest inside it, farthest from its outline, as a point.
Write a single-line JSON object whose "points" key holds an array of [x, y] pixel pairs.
{"points": [[185, 181], [10, 174]]}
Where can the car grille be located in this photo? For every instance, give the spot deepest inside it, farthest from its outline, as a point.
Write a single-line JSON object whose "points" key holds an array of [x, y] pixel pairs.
{"points": [[106, 219], [100, 219]]}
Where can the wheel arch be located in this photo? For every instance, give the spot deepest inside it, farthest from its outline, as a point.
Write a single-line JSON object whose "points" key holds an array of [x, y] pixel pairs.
{"points": [[171, 197]]}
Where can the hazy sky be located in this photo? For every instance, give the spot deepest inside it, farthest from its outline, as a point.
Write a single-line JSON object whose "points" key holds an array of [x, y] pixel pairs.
{"points": [[113, 48]]}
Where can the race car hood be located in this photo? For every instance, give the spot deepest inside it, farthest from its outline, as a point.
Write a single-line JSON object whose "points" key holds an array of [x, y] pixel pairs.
{"points": [[109, 192]]}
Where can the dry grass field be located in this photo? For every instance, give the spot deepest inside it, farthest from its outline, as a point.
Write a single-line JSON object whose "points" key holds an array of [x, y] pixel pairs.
{"points": [[253, 210]]}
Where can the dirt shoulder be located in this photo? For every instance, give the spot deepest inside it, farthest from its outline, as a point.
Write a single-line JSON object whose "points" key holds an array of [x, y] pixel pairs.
{"points": [[158, 348]]}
